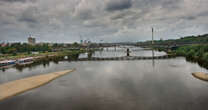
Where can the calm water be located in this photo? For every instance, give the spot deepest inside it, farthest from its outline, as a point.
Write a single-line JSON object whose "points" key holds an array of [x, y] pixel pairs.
{"points": [[113, 85], [119, 52]]}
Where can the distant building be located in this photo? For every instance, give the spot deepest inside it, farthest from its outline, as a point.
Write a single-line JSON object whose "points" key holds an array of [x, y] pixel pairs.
{"points": [[84, 43], [35, 53], [3, 44], [81, 41], [31, 40]]}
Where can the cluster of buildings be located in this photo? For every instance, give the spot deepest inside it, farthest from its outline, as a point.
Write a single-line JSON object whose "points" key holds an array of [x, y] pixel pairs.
{"points": [[3, 44], [31, 40], [85, 42]]}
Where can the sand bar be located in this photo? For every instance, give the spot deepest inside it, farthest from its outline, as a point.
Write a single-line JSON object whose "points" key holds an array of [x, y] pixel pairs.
{"points": [[201, 75], [16, 87]]}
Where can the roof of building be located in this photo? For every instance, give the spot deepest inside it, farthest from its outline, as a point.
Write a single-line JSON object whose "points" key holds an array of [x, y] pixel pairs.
{"points": [[7, 61]]}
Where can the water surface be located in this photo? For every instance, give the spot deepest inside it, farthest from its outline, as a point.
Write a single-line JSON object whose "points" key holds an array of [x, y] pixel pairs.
{"points": [[121, 51], [109, 85]]}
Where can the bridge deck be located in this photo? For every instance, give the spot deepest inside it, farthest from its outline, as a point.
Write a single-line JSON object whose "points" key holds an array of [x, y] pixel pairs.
{"points": [[126, 58]]}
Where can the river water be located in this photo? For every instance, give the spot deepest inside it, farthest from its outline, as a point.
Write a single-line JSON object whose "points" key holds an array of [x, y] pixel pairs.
{"points": [[165, 84], [120, 52]]}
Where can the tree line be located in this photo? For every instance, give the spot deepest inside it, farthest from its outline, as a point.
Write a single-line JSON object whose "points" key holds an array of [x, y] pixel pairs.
{"points": [[198, 52], [20, 48]]}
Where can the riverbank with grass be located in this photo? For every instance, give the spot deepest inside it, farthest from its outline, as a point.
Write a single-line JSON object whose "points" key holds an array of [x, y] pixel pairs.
{"points": [[41, 58], [193, 53], [71, 53]]}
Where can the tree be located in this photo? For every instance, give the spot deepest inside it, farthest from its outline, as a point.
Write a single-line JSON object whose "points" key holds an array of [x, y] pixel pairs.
{"points": [[75, 44]]}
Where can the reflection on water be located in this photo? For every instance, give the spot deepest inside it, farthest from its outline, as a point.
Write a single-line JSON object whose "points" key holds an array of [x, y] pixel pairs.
{"points": [[153, 60], [109, 85], [121, 51]]}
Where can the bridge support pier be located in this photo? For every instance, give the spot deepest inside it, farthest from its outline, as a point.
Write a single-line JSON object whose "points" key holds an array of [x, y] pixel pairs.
{"points": [[127, 52]]}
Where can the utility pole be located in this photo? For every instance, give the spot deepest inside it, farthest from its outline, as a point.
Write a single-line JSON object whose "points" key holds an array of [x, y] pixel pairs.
{"points": [[153, 53], [152, 36]]}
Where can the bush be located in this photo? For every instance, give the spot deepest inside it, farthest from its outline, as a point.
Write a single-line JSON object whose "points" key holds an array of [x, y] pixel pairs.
{"points": [[205, 56], [194, 52]]}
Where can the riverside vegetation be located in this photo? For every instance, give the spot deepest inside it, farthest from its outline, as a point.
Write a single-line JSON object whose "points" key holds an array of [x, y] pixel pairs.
{"points": [[197, 53], [194, 48], [17, 50]]}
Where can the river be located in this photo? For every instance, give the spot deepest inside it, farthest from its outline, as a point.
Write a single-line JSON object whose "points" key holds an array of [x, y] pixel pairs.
{"points": [[165, 84]]}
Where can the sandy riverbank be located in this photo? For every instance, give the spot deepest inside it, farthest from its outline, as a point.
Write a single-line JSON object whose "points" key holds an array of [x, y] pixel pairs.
{"points": [[200, 75], [16, 87]]}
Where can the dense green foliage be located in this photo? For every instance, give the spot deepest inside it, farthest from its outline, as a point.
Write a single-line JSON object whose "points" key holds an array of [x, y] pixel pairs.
{"points": [[200, 39], [192, 39], [197, 53], [194, 51], [186, 40], [20, 48], [194, 48]]}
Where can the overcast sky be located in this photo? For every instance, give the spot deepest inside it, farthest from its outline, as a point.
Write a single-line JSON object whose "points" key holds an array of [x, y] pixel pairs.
{"points": [[95, 20]]}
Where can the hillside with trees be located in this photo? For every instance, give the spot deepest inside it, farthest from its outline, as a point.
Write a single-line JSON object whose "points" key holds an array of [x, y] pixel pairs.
{"points": [[194, 48], [200, 39]]}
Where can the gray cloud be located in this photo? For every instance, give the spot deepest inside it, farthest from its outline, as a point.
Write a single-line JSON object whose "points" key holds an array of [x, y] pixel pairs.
{"points": [[113, 5], [15, 0], [203, 14], [30, 16], [111, 20]]}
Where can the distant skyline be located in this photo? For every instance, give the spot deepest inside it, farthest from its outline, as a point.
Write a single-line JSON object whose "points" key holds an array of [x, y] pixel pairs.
{"points": [[95, 20]]}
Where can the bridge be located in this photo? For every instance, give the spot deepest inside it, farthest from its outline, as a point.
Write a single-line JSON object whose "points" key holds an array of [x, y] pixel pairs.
{"points": [[122, 50], [126, 58]]}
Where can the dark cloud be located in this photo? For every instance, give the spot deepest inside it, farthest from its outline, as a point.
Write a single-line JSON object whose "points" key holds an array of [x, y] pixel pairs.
{"points": [[85, 15], [171, 4], [113, 20], [189, 17], [114, 5], [13, 0], [30, 15], [29, 20], [203, 14], [119, 16]]}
